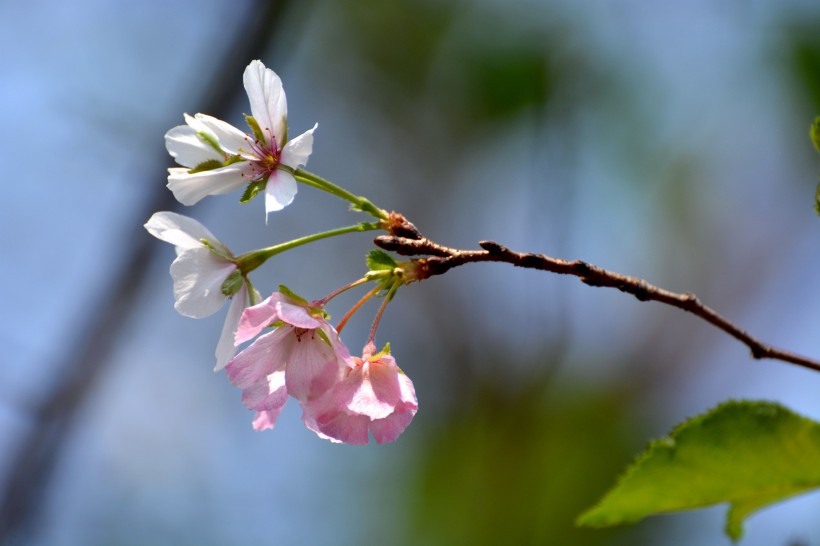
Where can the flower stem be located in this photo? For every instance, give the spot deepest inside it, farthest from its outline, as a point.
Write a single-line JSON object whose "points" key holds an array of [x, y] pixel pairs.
{"points": [[387, 298], [356, 308], [251, 260], [322, 302], [359, 203]]}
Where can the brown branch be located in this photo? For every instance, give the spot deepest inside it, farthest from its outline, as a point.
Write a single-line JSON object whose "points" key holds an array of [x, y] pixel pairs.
{"points": [[445, 258]]}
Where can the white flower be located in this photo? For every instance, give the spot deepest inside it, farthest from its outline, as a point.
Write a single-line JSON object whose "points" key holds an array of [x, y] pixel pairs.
{"points": [[200, 271], [219, 158]]}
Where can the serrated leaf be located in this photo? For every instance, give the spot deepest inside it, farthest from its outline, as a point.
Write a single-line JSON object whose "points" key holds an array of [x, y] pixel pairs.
{"points": [[379, 260], [252, 190], [749, 454]]}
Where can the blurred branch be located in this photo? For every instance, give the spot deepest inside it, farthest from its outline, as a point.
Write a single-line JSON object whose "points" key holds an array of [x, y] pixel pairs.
{"points": [[33, 463], [445, 258]]}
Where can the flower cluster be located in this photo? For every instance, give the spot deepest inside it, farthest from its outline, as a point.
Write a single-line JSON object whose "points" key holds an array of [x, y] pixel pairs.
{"points": [[299, 355]]}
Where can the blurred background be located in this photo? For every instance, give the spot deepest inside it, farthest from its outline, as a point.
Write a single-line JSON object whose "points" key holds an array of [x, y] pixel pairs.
{"points": [[666, 141]]}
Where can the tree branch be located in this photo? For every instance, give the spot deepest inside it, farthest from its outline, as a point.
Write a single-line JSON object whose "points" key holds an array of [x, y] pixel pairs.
{"points": [[445, 258]]}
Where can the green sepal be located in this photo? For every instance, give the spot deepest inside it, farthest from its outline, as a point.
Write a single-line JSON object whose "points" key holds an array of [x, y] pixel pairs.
{"points": [[293, 295], [379, 260], [284, 133], [208, 165], [814, 133], [257, 131], [252, 190], [233, 283], [218, 251], [210, 140], [233, 159], [324, 337]]}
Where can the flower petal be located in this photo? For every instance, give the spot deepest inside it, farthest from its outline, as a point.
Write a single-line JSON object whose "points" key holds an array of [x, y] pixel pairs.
{"points": [[296, 315], [263, 357], [388, 429], [267, 97], [187, 148], [279, 191], [312, 367], [198, 276], [296, 152], [343, 427], [230, 139], [181, 231], [189, 189], [256, 318], [225, 349], [377, 391]]}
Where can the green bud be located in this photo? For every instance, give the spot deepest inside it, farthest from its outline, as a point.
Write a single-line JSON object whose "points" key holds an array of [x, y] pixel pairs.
{"points": [[255, 129], [233, 283]]}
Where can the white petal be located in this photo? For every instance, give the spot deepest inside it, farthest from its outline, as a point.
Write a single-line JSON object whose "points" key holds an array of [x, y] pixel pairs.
{"points": [[280, 191], [187, 148], [198, 276], [189, 189], [267, 97], [181, 231], [225, 348], [230, 139], [296, 152]]}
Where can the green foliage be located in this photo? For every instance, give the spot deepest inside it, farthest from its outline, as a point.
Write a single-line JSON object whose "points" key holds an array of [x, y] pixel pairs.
{"points": [[252, 190], [815, 133], [379, 260], [749, 454]]}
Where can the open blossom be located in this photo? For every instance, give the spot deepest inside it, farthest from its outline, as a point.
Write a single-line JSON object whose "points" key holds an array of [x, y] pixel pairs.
{"points": [[219, 158], [373, 396], [302, 357], [199, 273]]}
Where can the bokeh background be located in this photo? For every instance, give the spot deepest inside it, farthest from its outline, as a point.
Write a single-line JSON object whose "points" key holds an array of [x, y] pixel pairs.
{"points": [[658, 139]]}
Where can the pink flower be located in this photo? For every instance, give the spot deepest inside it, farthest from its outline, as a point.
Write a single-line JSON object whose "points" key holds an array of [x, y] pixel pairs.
{"points": [[374, 396], [302, 357]]}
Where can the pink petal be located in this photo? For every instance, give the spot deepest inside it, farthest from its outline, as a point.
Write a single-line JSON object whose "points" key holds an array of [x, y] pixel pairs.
{"points": [[343, 427], [388, 429], [262, 358], [265, 419], [296, 315], [379, 391], [312, 367], [255, 319]]}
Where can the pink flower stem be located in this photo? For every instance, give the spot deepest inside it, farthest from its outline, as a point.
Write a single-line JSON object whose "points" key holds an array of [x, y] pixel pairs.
{"points": [[322, 302], [372, 339], [356, 308]]}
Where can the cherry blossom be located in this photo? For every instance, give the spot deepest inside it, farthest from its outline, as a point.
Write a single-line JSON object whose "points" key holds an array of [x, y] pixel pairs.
{"points": [[373, 396], [219, 158], [302, 357], [200, 271]]}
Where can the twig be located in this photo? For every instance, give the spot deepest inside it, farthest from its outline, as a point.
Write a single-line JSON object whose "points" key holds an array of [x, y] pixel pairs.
{"points": [[445, 258]]}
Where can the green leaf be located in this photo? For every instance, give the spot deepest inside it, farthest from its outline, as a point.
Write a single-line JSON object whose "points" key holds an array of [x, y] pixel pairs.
{"points": [[208, 165], [815, 133], [252, 190], [749, 454], [379, 260]]}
